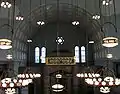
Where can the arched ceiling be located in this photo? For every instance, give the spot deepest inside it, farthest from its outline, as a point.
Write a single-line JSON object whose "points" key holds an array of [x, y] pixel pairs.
{"points": [[48, 8], [65, 13]]}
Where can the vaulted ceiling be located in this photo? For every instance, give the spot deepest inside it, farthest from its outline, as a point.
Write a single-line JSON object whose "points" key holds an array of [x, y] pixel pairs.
{"points": [[47, 11]]}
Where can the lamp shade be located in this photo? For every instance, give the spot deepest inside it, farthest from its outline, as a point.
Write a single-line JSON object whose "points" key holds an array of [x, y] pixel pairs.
{"points": [[110, 42], [5, 44], [57, 87]]}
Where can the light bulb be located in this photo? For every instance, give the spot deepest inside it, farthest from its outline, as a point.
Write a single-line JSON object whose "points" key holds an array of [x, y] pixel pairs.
{"points": [[22, 18], [117, 81], [20, 81], [20, 76], [91, 82], [25, 82], [94, 79], [82, 75], [96, 83], [93, 74], [107, 4], [103, 83], [18, 84], [15, 80], [34, 75], [104, 2], [4, 85], [2, 4], [11, 84], [85, 75], [29, 80], [23, 75], [27, 76], [78, 75], [9, 5], [38, 75], [110, 83], [31, 75], [99, 79]]}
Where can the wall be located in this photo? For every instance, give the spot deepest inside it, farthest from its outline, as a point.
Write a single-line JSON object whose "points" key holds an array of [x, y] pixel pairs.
{"points": [[47, 37]]}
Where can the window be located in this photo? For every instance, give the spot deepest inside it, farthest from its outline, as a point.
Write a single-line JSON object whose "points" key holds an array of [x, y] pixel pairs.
{"points": [[83, 57], [43, 54], [77, 54], [37, 55]]}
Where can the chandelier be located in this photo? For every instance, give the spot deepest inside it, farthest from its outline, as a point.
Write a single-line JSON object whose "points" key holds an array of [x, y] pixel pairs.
{"points": [[110, 41], [10, 91], [19, 18], [107, 2], [9, 81], [6, 4], [14, 82], [106, 80], [104, 89], [28, 74], [6, 43], [57, 87], [87, 72], [58, 76]]}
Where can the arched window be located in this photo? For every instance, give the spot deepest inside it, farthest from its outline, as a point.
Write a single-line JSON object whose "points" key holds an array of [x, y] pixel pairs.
{"points": [[77, 60], [43, 54], [83, 57], [37, 55]]}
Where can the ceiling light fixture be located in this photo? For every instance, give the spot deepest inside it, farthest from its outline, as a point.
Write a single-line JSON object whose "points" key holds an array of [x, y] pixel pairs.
{"points": [[104, 89], [75, 23], [109, 56], [19, 18], [9, 56], [106, 79], [88, 75], [29, 75], [14, 82], [10, 91], [5, 44], [57, 87], [106, 2], [5, 4], [58, 76], [29, 40], [110, 42], [96, 17], [60, 40], [91, 42], [88, 72], [40, 23]]}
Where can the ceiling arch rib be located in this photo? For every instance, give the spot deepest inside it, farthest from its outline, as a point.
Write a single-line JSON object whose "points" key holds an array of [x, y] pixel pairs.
{"points": [[50, 15]]}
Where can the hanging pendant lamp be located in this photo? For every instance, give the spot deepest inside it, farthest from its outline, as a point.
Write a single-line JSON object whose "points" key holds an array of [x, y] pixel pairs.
{"points": [[109, 41], [6, 43], [106, 81], [6, 4], [11, 80]]}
